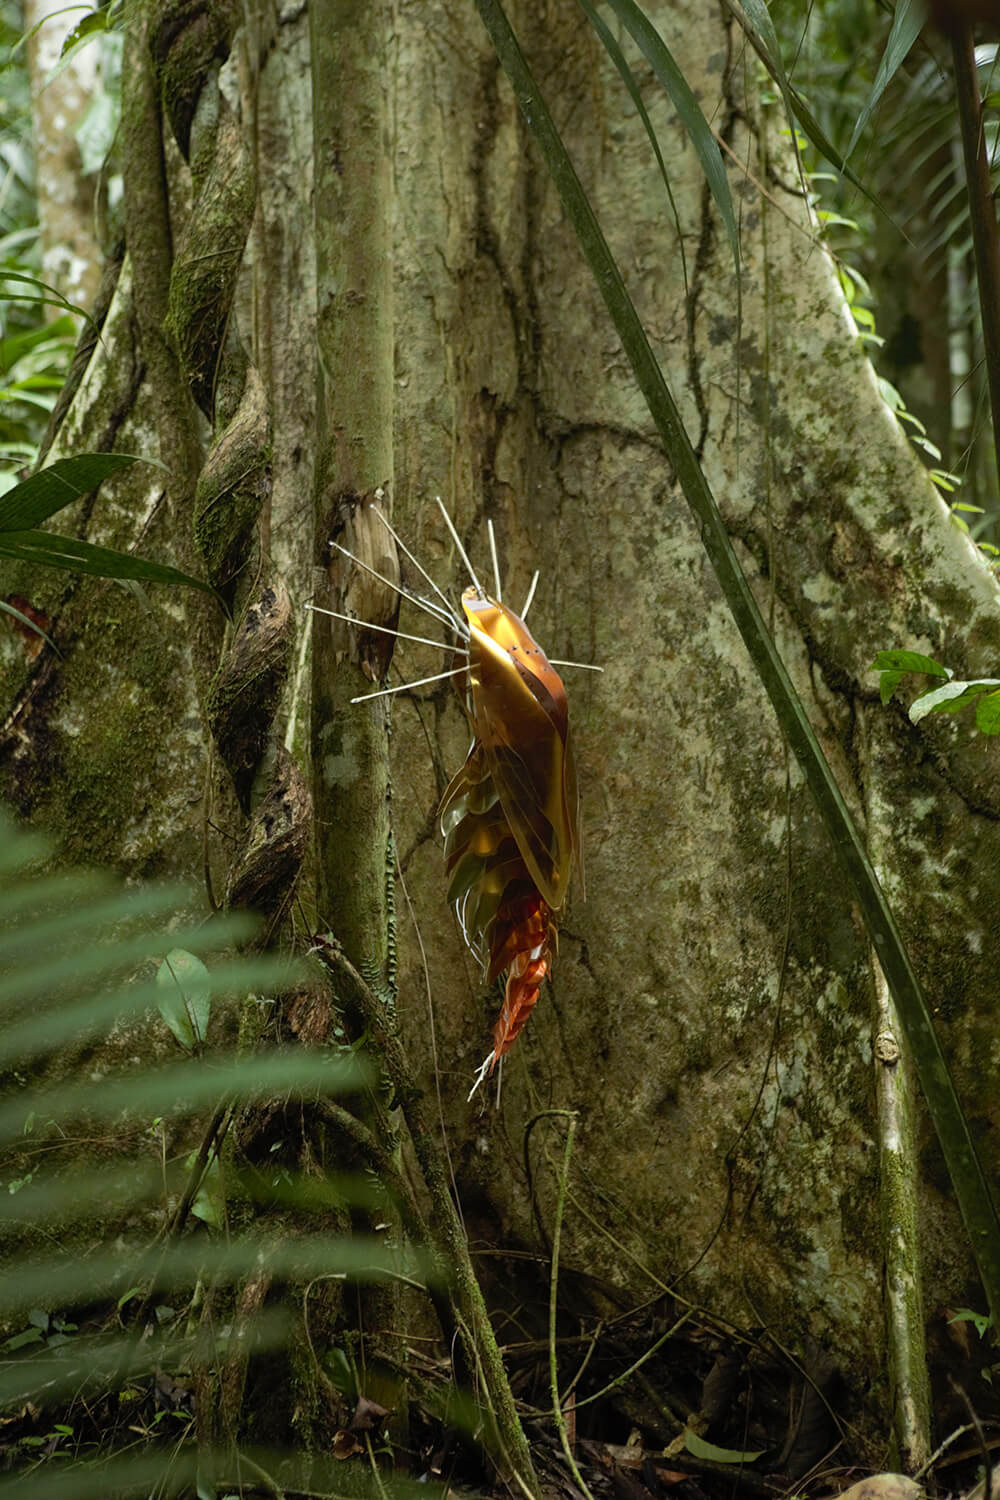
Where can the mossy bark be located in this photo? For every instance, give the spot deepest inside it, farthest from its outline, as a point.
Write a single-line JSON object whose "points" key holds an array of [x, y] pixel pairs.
{"points": [[353, 487], [354, 333]]}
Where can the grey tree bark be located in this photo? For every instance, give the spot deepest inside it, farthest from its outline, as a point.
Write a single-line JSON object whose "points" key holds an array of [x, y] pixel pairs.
{"points": [[715, 1017]]}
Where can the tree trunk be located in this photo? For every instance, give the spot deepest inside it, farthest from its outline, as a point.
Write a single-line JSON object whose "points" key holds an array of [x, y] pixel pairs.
{"points": [[714, 1010], [61, 98]]}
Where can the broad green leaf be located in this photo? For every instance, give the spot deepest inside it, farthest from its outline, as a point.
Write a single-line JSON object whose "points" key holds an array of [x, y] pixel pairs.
{"points": [[37, 498], [50, 932], [24, 37], [19, 849], [907, 22], [48, 549], [29, 397], [855, 285], [988, 714], [661, 60], [831, 220], [177, 1468], [888, 683], [20, 1340], [340, 1370], [635, 94], [38, 1035], [97, 21], [950, 698], [96, 132], [84, 1194], [698, 1448], [908, 661], [69, 967], [980, 1321], [185, 996], [890, 395], [41, 382], [210, 1200], [53, 1371], [16, 345], [50, 295]]}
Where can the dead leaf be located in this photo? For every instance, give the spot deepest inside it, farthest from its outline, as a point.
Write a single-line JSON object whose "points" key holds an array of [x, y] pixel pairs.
{"points": [[697, 1425], [628, 1455], [883, 1487], [346, 1445], [368, 1416], [169, 1392], [33, 642]]}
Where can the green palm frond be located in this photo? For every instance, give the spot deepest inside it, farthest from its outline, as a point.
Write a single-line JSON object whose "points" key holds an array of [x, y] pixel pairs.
{"points": [[116, 1210]]}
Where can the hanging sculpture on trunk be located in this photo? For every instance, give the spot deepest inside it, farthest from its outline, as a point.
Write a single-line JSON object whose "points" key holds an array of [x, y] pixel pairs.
{"points": [[510, 816]]}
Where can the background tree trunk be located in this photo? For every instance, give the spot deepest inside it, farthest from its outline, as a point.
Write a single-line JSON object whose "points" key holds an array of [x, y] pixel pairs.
{"points": [[71, 258], [711, 1012], [714, 1011]]}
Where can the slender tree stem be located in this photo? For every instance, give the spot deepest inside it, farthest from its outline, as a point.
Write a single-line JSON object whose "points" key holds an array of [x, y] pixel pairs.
{"points": [[450, 1243], [557, 1411], [352, 198], [982, 210], [354, 331]]}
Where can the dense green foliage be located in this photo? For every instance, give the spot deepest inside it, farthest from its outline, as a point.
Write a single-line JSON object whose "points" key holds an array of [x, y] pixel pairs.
{"points": [[909, 236], [35, 349]]}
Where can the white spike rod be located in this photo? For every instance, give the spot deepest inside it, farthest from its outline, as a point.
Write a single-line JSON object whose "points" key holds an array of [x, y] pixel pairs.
{"points": [[458, 543], [401, 635], [496, 564], [403, 686]]}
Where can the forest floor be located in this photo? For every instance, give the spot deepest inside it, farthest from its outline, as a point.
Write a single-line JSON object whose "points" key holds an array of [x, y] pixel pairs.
{"points": [[712, 1413]]}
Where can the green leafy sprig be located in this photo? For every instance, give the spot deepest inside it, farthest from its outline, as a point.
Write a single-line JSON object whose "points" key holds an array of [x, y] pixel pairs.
{"points": [[34, 500], [948, 696]]}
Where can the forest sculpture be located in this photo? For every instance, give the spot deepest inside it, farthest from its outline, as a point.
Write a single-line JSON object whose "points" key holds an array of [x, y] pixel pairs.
{"points": [[510, 815]]}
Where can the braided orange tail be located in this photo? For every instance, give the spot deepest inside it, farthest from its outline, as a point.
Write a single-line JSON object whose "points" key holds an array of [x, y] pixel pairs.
{"points": [[526, 951]]}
